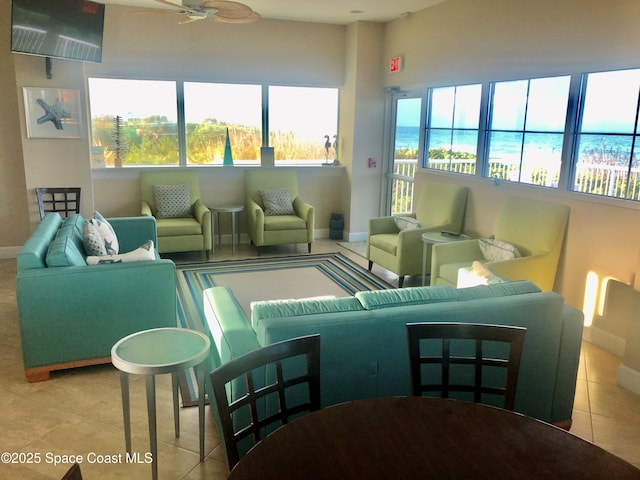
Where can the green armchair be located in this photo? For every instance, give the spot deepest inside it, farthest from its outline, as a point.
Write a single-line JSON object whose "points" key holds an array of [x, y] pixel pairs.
{"points": [[280, 229], [441, 206], [535, 228], [191, 231]]}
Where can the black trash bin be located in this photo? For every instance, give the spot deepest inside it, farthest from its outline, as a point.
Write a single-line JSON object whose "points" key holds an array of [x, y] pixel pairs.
{"points": [[336, 226]]}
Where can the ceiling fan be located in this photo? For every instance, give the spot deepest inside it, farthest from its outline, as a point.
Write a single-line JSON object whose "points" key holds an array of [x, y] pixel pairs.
{"points": [[224, 11]]}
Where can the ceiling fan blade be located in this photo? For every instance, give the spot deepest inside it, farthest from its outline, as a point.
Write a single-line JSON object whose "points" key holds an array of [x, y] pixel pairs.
{"points": [[228, 9], [190, 19], [254, 17], [155, 10], [178, 6]]}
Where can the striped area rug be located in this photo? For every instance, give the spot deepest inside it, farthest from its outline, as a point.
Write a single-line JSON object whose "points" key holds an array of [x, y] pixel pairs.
{"points": [[264, 279]]}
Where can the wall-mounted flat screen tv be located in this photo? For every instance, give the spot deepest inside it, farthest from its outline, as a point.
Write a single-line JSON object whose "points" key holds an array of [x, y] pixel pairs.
{"points": [[58, 28]]}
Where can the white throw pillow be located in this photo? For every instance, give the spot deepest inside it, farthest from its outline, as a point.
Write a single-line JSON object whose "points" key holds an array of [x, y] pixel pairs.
{"points": [[144, 252], [172, 201], [496, 250], [108, 234], [407, 223], [277, 202]]}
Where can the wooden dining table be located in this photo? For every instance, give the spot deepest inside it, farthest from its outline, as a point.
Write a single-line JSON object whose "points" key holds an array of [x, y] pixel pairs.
{"points": [[425, 438]]}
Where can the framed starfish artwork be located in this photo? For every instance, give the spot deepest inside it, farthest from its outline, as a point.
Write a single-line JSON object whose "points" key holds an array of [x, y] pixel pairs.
{"points": [[52, 112]]}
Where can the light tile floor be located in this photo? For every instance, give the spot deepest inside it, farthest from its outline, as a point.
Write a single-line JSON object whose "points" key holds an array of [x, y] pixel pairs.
{"points": [[78, 412]]}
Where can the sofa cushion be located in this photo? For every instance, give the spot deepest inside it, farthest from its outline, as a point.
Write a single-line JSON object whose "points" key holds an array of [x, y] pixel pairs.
{"points": [[172, 227], [64, 250], [144, 252], [277, 201], [284, 222], [399, 297], [304, 306], [497, 290], [33, 253], [172, 201]]}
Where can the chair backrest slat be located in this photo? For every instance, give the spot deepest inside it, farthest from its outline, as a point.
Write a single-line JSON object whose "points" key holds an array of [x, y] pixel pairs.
{"points": [[450, 379], [262, 414], [64, 200]]}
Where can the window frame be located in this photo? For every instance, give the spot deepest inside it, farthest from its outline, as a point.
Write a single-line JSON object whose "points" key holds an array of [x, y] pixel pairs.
{"points": [[570, 142], [429, 128], [182, 125]]}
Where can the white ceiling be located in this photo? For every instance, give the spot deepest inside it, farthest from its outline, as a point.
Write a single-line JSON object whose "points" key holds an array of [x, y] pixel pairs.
{"points": [[325, 11]]}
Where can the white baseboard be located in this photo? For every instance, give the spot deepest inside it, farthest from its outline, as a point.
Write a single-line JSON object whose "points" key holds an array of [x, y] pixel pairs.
{"points": [[609, 342], [629, 378], [9, 252]]}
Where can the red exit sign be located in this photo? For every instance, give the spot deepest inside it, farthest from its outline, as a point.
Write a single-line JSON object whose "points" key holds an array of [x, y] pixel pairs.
{"points": [[395, 64]]}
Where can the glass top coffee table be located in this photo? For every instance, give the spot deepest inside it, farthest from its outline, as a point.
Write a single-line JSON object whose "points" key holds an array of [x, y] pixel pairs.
{"points": [[154, 352]]}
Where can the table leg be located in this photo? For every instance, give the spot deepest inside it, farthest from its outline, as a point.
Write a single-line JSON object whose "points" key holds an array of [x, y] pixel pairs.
{"points": [[233, 233], [219, 231], [424, 262], [126, 409], [201, 395], [151, 411], [213, 233], [176, 411]]}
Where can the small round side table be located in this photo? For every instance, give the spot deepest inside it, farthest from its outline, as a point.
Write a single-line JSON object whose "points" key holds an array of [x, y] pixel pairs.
{"points": [[233, 209], [429, 238], [154, 352]]}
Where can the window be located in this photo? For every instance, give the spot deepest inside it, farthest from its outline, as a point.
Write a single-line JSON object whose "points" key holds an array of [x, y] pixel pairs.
{"points": [[133, 122], [303, 124], [212, 108], [605, 159], [453, 119], [147, 122], [526, 130]]}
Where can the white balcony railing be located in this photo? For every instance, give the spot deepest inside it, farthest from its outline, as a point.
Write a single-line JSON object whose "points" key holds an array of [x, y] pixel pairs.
{"points": [[608, 180]]}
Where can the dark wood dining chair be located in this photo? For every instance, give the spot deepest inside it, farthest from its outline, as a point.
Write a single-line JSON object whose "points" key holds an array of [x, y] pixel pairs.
{"points": [[475, 361], [260, 384], [64, 200], [74, 473]]}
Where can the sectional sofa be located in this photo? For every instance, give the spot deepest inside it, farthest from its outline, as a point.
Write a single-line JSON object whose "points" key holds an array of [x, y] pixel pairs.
{"points": [[71, 313], [363, 342]]}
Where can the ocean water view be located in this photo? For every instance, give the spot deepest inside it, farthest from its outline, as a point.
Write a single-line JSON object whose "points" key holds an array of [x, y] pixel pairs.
{"points": [[545, 147]]}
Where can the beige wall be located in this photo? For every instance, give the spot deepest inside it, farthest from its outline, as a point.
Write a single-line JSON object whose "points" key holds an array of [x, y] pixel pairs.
{"points": [[13, 196], [362, 124], [463, 41]]}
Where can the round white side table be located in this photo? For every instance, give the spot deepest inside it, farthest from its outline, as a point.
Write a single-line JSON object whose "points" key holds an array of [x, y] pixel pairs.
{"points": [[154, 352], [233, 209], [429, 238]]}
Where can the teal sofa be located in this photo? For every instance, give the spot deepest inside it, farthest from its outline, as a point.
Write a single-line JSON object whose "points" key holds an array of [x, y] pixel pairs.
{"points": [[71, 314], [363, 339]]}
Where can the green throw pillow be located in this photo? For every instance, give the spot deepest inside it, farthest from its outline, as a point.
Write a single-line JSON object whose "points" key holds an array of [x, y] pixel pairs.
{"points": [[277, 202], [172, 201]]}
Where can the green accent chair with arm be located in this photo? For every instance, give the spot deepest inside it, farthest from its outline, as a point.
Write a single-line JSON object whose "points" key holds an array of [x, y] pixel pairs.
{"points": [[264, 229], [441, 206], [535, 228], [185, 234]]}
